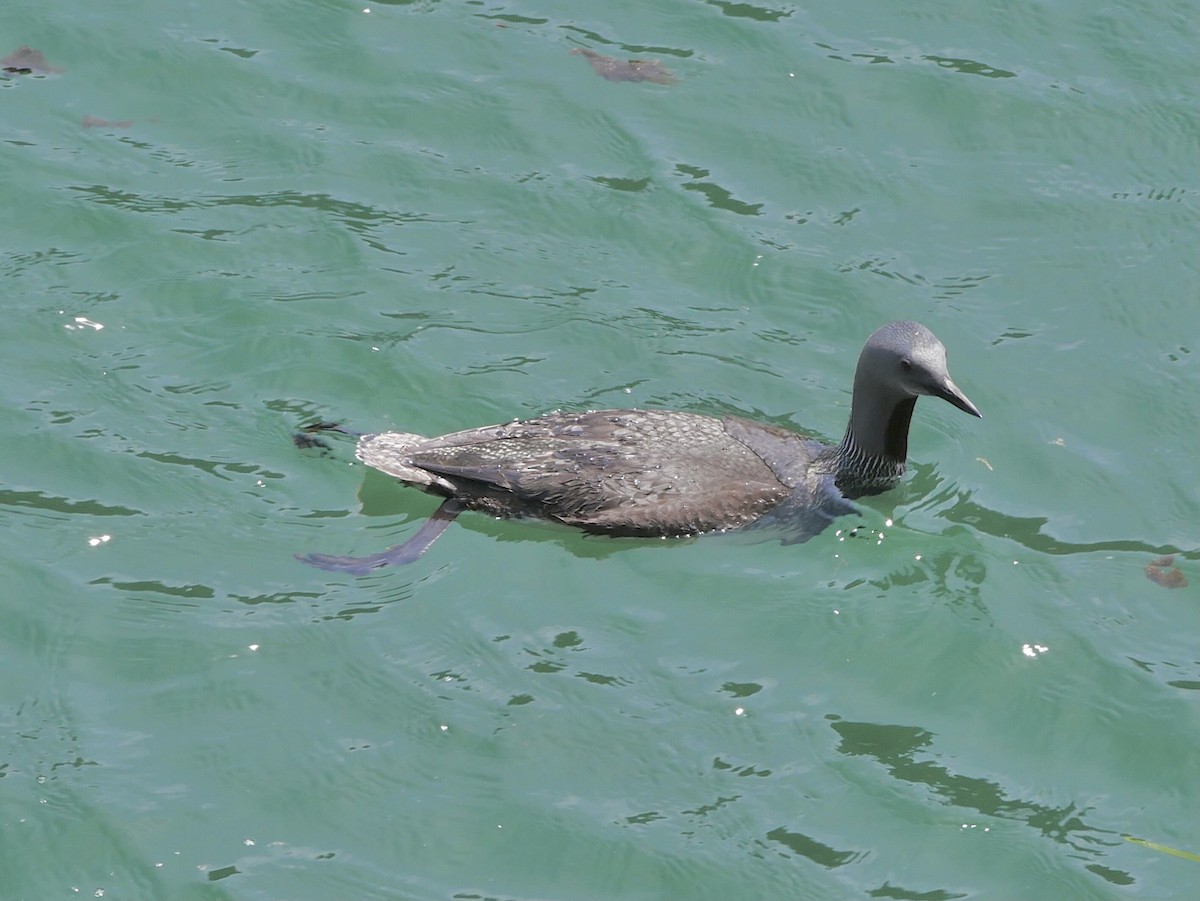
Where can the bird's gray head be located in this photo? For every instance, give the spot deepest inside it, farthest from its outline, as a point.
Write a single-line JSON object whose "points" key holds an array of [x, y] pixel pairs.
{"points": [[899, 363], [906, 360]]}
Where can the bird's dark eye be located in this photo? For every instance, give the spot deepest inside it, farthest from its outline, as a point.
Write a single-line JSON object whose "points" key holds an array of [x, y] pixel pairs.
{"points": [[906, 365]]}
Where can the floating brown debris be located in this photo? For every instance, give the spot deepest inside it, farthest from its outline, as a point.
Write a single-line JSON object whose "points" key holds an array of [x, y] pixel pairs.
{"points": [[94, 122], [27, 61], [1160, 572], [626, 69]]}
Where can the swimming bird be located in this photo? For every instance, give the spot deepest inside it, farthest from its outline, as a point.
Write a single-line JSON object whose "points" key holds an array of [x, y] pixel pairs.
{"points": [[669, 474]]}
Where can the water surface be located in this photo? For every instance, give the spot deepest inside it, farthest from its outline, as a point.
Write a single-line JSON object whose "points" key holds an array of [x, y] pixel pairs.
{"points": [[431, 216]]}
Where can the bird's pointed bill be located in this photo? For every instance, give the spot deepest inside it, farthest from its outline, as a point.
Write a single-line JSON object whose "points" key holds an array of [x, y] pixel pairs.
{"points": [[952, 393]]}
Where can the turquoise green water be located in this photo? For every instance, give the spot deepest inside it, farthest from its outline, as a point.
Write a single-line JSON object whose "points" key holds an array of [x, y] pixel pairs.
{"points": [[431, 216]]}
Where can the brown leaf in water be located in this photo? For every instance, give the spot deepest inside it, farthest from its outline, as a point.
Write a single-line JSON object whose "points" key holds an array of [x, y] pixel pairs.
{"points": [[626, 69], [94, 122], [1160, 572], [27, 61]]}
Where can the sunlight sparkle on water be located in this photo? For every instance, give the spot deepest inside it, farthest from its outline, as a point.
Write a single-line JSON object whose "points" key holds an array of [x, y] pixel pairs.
{"points": [[82, 322]]}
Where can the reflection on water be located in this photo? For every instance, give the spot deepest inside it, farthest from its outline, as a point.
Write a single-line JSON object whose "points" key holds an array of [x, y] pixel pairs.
{"points": [[897, 748]]}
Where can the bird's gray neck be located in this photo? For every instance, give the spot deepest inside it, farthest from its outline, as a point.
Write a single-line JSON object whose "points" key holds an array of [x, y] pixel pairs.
{"points": [[874, 452]]}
